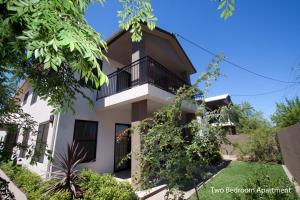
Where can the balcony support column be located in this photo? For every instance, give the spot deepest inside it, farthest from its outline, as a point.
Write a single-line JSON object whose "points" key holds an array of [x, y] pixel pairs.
{"points": [[139, 111], [138, 51]]}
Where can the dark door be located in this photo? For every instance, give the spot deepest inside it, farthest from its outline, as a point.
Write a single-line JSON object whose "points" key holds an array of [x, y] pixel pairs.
{"points": [[123, 80], [122, 147]]}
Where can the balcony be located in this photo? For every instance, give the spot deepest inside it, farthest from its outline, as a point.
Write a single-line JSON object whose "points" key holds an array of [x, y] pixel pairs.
{"points": [[142, 71]]}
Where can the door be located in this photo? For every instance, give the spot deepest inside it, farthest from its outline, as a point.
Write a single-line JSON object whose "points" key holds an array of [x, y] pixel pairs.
{"points": [[123, 81], [122, 147]]}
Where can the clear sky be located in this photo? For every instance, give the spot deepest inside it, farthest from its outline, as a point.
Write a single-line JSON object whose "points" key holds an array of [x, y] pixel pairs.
{"points": [[262, 35]]}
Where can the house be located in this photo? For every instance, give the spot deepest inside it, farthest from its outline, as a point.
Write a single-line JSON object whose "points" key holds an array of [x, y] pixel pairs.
{"points": [[142, 78], [216, 102]]}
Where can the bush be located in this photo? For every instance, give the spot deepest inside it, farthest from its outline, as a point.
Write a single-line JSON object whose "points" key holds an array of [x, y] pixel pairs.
{"points": [[104, 187], [262, 147], [30, 183], [95, 186], [260, 180]]}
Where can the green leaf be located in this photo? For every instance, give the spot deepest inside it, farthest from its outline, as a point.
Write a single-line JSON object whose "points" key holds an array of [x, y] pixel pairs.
{"points": [[54, 46], [231, 7], [47, 59], [36, 53], [29, 54], [72, 46], [221, 5], [103, 78], [22, 37], [47, 65]]}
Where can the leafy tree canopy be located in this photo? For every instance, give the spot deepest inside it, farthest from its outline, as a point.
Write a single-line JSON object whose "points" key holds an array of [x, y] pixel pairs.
{"points": [[50, 43], [287, 113], [246, 118]]}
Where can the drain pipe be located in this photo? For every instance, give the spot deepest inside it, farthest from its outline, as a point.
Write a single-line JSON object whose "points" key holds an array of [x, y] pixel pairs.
{"points": [[53, 141]]}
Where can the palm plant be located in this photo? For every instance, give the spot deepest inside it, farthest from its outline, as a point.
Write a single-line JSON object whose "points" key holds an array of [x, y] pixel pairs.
{"points": [[66, 174]]}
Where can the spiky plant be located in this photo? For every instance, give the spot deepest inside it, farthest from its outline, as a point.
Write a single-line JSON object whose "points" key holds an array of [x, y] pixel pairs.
{"points": [[66, 174]]}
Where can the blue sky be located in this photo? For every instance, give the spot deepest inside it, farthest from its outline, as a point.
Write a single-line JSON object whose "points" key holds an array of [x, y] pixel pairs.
{"points": [[261, 35]]}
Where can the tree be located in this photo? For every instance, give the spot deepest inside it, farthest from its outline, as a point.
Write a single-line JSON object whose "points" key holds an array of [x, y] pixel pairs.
{"points": [[51, 44], [287, 113], [12, 117], [173, 150], [247, 118]]}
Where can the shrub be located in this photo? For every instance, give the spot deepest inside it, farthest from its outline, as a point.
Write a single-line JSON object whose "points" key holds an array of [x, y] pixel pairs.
{"points": [[262, 147], [104, 187], [65, 178], [95, 186], [30, 183]]}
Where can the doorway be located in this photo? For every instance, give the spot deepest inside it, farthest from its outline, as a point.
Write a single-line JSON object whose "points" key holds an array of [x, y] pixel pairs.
{"points": [[122, 147]]}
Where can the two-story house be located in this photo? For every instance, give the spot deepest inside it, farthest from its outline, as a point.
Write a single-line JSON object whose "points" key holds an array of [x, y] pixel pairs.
{"points": [[142, 78]]}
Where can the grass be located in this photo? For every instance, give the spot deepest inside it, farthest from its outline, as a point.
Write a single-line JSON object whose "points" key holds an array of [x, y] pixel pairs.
{"points": [[235, 176]]}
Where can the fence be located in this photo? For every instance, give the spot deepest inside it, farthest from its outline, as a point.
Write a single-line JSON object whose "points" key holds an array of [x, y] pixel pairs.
{"points": [[289, 140], [229, 149]]}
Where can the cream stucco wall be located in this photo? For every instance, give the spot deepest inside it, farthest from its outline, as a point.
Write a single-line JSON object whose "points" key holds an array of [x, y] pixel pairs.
{"points": [[105, 137], [62, 129], [40, 112]]}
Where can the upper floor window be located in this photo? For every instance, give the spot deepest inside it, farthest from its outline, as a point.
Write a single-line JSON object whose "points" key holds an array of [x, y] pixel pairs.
{"points": [[24, 144], [25, 98], [33, 98], [85, 135], [41, 142]]}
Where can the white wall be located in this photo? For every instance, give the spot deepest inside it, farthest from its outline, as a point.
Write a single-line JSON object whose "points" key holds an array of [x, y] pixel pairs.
{"points": [[105, 137], [40, 112], [106, 126], [111, 66], [2, 135]]}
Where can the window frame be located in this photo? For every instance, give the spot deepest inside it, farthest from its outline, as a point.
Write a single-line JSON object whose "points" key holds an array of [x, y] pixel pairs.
{"points": [[41, 157], [96, 138], [25, 99], [25, 139], [33, 98]]}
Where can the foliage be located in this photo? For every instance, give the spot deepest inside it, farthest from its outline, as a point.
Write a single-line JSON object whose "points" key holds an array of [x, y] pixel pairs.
{"points": [[262, 146], [95, 186], [287, 113], [260, 180], [236, 175], [50, 43], [66, 174], [104, 187], [246, 118], [31, 183], [228, 8], [54, 44], [172, 148]]}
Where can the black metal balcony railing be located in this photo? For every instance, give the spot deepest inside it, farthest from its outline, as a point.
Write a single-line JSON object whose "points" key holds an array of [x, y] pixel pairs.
{"points": [[144, 70]]}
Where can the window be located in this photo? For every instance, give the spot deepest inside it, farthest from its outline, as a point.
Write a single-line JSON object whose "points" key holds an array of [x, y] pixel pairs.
{"points": [[33, 98], [25, 98], [24, 146], [85, 135], [41, 142]]}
